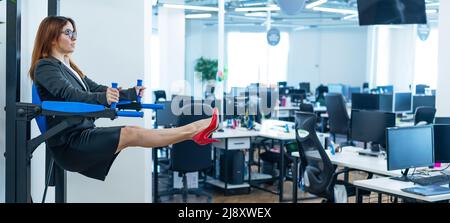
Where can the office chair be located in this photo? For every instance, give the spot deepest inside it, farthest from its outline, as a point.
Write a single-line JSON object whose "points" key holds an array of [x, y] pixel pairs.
{"points": [[338, 118], [188, 156], [316, 170], [306, 108], [420, 88], [424, 114], [160, 94], [320, 94]]}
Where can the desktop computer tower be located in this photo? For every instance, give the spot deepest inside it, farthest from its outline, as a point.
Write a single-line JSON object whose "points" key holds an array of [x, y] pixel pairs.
{"points": [[235, 166]]}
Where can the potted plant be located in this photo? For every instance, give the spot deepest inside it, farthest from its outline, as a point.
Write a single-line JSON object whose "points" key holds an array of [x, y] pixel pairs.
{"points": [[206, 71]]}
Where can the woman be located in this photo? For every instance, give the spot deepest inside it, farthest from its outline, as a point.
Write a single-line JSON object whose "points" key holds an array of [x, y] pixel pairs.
{"points": [[85, 148]]}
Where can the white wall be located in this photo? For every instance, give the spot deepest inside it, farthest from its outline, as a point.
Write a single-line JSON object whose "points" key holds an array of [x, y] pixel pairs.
{"points": [[443, 91], [2, 98], [113, 36], [328, 56]]}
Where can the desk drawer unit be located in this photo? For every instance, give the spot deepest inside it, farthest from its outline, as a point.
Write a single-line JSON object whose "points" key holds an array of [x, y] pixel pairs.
{"points": [[234, 143]]}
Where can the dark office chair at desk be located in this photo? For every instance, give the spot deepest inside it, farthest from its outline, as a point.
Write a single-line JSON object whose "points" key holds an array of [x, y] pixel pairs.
{"points": [[188, 156], [159, 95], [306, 108], [338, 118], [425, 115], [318, 173]]}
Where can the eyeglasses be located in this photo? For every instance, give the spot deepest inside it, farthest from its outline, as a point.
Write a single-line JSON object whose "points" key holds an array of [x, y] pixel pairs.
{"points": [[71, 34]]}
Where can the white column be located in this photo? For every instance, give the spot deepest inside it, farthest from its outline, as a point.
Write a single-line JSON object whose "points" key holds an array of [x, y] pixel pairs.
{"points": [[113, 44], [443, 89], [221, 48], [171, 29]]}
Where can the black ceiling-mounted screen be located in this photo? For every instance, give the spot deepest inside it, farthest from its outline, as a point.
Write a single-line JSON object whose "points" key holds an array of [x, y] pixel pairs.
{"points": [[385, 12]]}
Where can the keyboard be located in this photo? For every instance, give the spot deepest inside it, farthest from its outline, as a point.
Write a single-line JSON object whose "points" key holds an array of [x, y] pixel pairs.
{"points": [[430, 190], [434, 180]]}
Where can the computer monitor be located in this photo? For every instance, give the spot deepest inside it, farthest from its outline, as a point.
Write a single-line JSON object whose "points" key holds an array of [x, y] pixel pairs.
{"points": [[420, 88], [409, 147], [370, 126], [389, 89], [237, 91], [365, 101], [423, 100], [336, 88], [442, 143], [282, 84], [297, 95], [305, 86], [166, 117], [386, 102], [351, 91], [442, 120], [403, 102], [229, 107], [385, 12]]}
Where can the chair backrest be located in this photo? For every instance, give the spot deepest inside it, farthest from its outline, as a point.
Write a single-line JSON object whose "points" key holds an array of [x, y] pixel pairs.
{"points": [[188, 156], [338, 117], [40, 120], [316, 166], [424, 114], [306, 108], [160, 94], [420, 88]]}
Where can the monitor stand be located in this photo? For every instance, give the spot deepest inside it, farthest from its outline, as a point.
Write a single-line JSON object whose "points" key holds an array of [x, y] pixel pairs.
{"points": [[403, 178]]}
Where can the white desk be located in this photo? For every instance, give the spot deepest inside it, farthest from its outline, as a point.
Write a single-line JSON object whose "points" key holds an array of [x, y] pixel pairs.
{"points": [[288, 111], [393, 187], [350, 158]]}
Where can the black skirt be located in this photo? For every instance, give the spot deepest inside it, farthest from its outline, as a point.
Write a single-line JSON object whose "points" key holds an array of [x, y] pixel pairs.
{"points": [[90, 152]]}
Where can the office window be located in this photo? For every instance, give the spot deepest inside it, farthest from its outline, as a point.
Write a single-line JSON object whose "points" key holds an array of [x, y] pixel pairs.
{"points": [[426, 60], [251, 59]]}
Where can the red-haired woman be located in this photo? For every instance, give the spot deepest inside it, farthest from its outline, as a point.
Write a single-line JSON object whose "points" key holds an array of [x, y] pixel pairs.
{"points": [[85, 148]]}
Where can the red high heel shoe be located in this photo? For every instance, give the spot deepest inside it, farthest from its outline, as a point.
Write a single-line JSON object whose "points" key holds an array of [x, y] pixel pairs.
{"points": [[202, 138]]}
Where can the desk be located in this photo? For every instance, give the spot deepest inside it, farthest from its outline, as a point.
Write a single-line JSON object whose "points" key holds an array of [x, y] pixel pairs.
{"points": [[385, 185], [349, 158], [289, 111], [232, 139]]}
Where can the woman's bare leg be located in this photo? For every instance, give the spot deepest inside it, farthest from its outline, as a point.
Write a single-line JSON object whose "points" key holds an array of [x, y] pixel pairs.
{"points": [[150, 138]]}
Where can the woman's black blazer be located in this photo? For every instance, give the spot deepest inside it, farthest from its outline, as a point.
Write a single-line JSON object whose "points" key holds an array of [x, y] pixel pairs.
{"points": [[56, 82]]}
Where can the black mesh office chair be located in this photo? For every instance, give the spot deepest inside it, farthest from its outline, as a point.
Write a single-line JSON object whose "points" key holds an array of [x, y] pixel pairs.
{"points": [[306, 108], [159, 95], [338, 118], [316, 170], [188, 156], [424, 114]]}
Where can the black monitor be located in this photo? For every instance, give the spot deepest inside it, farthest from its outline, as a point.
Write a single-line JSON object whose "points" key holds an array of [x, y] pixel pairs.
{"points": [[297, 95], [383, 12], [409, 147], [442, 120], [365, 101], [166, 117], [351, 91], [442, 143], [386, 102], [423, 100], [420, 88], [370, 126], [403, 102], [282, 84], [305, 86]]}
